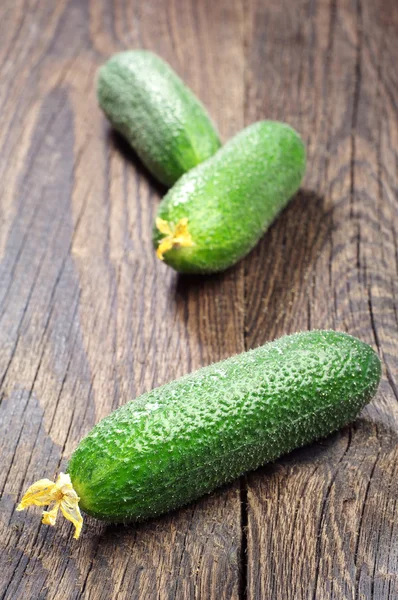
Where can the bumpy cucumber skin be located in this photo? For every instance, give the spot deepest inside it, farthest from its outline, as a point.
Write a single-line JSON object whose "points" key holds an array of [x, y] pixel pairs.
{"points": [[231, 199], [160, 117], [184, 439]]}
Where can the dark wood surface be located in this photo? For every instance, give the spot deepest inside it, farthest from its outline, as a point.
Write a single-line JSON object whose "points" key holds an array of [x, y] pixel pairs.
{"points": [[89, 318]]}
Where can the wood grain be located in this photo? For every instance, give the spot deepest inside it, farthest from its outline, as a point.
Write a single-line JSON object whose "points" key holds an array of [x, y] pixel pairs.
{"points": [[89, 318]]}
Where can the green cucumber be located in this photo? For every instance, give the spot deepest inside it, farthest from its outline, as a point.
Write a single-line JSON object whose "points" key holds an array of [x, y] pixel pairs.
{"points": [[216, 213], [184, 439], [160, 117]]}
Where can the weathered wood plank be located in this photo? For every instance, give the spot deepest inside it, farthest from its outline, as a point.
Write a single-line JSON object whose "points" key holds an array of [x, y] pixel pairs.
{"points": [[321, 522], [89, 317]]}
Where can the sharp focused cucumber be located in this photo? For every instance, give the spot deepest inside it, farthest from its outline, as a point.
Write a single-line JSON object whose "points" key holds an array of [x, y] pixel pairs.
{"points": [[159, 116], [217, 212], [184, 439]]}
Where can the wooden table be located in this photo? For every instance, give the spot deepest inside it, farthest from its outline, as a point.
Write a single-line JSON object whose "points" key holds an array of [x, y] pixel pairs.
{"points": [[90, 318]]}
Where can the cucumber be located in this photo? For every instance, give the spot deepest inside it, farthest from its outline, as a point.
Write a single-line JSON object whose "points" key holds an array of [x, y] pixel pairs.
{"points": [[184, 439], [160, 117], [216, 213]]}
